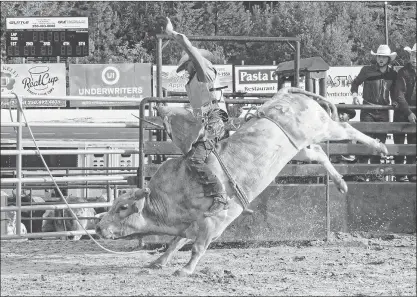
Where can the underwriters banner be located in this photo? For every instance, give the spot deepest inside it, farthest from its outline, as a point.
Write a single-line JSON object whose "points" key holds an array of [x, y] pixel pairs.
{"points": [[110, 80]]}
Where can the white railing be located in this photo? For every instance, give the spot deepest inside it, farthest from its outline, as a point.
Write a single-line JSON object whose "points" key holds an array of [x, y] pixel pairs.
{"points": [[66, 152], [76, 125], [6, 97], [19, 152]]}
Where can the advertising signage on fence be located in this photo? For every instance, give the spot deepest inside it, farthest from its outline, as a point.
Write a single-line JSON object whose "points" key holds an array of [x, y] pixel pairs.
{"points": [[109, 80], [255, 79], [339, 82], [175, 82], [33, 23], [34, 79]]}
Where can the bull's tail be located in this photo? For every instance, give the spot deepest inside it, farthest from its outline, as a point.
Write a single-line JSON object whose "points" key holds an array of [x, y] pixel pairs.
{"points": [[330, 108]]}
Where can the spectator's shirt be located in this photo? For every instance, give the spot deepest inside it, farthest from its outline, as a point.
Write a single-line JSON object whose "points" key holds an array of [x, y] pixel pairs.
{"points": [[377, 86], [405, 89]]}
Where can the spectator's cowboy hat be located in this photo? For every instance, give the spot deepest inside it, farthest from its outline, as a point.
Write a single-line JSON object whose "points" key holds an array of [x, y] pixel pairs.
{"points": [[409, 50], [205, 53], [349, 111], [384, 50]]}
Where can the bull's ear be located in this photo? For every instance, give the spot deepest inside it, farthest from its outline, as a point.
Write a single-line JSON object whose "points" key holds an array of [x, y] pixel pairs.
{"points": [[138, 205], [142, 193]]}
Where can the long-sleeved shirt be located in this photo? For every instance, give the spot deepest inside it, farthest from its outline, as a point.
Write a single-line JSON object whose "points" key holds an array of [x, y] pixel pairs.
{"points": [[204, 97], [377, 86], [202, 85], [405, 89]]}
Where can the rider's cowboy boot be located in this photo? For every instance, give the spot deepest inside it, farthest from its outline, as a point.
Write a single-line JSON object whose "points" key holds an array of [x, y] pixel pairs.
{"points": [[219, 204]]}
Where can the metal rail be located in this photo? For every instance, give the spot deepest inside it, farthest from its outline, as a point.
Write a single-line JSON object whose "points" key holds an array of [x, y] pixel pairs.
{"points": [[72, 98], [56, 206], [73, 125], [5, 181], [58, 218], [47, 234], [67, 152]]}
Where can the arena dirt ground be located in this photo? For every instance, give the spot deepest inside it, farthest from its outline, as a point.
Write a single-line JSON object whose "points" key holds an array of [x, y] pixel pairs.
{"points": [[350, 265]]}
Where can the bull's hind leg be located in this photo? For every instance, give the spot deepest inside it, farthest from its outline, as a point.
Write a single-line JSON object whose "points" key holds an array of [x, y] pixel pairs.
{"points": [[343, 131], [316, 153], [175, 244]]}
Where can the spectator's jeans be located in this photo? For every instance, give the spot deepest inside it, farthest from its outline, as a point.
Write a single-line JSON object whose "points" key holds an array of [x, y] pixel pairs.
{"points": [[374, 116], [400, 138]]}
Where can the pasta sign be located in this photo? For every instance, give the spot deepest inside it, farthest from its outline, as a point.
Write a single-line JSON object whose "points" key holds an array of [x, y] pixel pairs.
{"points": [[256, 79], [339, 82]]}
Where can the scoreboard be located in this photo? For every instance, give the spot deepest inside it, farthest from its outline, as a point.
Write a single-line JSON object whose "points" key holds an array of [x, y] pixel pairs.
{"points": [[46, 43]]}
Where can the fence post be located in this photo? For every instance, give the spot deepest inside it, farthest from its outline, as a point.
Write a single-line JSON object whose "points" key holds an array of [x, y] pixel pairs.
{"points": [[30, 222], [297, 65], [19, 167], [67, 171], [107, 171], [327, 196]]}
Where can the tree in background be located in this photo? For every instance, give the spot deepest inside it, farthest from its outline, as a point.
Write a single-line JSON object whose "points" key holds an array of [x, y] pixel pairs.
{"points": [[343, 33]]}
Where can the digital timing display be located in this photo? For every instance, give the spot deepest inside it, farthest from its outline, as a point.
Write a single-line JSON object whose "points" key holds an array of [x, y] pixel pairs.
{"points": [[47, 43]]}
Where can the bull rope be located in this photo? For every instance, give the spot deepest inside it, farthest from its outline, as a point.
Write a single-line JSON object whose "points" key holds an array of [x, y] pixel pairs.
{"points": [[20, 106], [315, 96], [240, 193], [258, 114]]}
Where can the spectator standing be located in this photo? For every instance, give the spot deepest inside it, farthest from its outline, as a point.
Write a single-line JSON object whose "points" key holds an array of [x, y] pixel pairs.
{"points": [[378, 85], [404, 96]]}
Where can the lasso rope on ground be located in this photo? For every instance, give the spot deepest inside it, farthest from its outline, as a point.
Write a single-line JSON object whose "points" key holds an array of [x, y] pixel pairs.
{"points": [[20, 106]]}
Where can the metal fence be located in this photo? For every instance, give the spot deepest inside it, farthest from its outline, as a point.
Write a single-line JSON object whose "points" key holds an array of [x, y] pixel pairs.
{"points": [[19, 152], [146, 170]]}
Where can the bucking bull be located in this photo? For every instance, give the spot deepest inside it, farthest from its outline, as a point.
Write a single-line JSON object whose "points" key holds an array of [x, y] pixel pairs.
{"points": [[253, 156]]}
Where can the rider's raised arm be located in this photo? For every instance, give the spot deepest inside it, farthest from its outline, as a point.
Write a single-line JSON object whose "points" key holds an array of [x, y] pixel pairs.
{"points": [[204, 69]]}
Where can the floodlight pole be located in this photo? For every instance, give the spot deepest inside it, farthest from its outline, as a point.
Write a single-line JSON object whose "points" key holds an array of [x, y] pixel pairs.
{"points": [[386, 21]]}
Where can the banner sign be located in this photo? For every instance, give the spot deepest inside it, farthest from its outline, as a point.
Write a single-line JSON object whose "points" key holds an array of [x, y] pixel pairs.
{"points": [[47, 23], [175, 82], [109, 80], [339, 82], [256, 79], [34, 79]]}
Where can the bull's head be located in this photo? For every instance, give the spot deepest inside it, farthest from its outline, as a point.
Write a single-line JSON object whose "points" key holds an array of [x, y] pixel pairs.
{"points": [[125, 216]]}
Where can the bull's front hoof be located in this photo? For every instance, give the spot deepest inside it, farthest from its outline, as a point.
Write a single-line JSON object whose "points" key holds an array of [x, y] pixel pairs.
{"points": [[182, 273], [154, 265], [383, 149]]}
